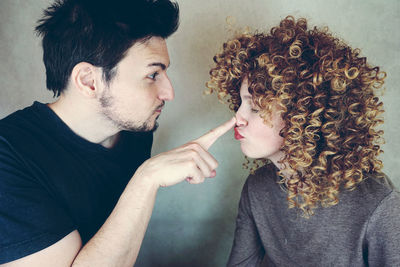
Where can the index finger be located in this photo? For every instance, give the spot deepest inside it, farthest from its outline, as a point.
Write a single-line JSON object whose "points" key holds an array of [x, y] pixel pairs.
{"points": [[209, 138]]}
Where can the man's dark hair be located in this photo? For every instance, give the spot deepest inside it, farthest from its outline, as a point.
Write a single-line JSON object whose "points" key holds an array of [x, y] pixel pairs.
{"points": [[99, 32]]}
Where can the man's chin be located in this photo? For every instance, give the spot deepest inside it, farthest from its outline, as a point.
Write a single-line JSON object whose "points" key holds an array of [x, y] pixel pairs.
{"points": [[155, 127], [155, 124], [144, 128]]}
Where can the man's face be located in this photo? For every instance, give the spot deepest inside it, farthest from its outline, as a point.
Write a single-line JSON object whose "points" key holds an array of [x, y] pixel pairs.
{"points": [[135, 96]]}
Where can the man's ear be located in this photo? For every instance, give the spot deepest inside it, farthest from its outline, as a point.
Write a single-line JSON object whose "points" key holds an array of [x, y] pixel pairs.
{"points": [[84, 77]]}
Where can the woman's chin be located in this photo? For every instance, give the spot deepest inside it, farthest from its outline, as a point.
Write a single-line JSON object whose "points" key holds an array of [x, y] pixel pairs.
{"points": [[249, 154]]}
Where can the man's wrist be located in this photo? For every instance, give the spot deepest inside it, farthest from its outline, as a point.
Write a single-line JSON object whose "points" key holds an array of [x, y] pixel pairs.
{"points": [[145, 181]]}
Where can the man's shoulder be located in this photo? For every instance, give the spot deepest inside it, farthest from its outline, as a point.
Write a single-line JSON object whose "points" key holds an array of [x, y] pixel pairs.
{"points": [[24, 133], [19, 122]]}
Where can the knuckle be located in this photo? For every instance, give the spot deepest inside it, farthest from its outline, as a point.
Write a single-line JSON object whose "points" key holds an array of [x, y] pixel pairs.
{"points": [[192, 153], [205, 172], [187, 145], [194, 146], [199, 175], [198, 180], [191, 164], [214, 165]]}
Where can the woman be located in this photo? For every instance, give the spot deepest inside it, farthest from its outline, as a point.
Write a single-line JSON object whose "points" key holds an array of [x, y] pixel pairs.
{"points": [[306, 104]]}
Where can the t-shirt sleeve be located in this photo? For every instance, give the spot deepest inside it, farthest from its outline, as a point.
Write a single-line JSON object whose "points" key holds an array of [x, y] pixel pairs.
{"points": [[30, 218], [247, 249], [383, 233]]}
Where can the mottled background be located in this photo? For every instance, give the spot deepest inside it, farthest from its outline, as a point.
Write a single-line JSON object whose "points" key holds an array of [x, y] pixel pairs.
{"points": [[193, 225]]}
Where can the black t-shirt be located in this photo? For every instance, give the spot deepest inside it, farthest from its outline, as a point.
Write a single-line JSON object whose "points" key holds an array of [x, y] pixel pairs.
{"points": [[52, 181]]}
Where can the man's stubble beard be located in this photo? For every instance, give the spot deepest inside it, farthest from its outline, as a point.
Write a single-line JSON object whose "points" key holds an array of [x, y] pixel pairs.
{"points": [[107, 102]]}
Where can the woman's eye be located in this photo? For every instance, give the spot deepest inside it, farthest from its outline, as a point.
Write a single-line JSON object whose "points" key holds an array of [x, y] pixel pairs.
{"points": [[153, 75], [254, 110]]}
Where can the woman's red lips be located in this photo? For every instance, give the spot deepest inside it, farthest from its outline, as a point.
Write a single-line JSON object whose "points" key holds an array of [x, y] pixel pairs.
{"points": [[238, 136]]}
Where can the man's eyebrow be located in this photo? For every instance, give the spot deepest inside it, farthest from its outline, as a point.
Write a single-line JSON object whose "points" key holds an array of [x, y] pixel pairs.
{"points": [[158, 64]]}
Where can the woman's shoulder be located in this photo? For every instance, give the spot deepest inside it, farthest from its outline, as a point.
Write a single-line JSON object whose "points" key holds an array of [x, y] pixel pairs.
{"points": [[264, 176], [377, 185], [373, 190]]}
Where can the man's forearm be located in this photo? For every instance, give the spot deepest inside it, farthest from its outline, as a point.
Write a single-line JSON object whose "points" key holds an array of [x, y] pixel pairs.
{"points": [[118, 241]]}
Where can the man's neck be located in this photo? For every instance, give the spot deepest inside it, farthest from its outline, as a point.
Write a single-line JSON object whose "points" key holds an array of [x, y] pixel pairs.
{"points": [[85, 121]]}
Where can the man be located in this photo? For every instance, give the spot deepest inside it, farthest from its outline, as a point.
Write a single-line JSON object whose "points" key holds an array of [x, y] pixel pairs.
{"points": [[76, 185]]}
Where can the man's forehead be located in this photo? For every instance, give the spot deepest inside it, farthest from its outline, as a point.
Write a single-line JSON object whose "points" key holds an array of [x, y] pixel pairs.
{"points": [[154, 45], [153, 52]]}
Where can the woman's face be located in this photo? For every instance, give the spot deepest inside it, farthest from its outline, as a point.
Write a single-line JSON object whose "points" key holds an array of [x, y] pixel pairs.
{"points": [[257, 139]]}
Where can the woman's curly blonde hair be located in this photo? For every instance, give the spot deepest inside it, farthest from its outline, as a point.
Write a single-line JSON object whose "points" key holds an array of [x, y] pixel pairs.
{"points": [[328, 98]]}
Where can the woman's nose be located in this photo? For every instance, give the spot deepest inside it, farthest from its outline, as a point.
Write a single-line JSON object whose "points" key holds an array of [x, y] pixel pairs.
{"points": [[240, 120]]}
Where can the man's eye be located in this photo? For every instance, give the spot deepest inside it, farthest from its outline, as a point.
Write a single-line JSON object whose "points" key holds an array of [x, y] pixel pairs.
{"points": [[153, 75]]}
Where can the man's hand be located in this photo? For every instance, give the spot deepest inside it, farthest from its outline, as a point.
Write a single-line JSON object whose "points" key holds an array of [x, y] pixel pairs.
{"points": [[190, 161]]}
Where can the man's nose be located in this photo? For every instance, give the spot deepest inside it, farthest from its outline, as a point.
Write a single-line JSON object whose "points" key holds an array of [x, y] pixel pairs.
{"points": [[166, 91]]}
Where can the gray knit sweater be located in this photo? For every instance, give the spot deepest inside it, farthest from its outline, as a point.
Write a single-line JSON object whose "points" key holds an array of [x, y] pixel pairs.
{"points": [[362, 230]]}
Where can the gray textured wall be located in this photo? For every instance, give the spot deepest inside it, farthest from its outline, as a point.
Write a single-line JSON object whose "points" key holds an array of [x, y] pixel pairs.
{"points": [[193, 225]]}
